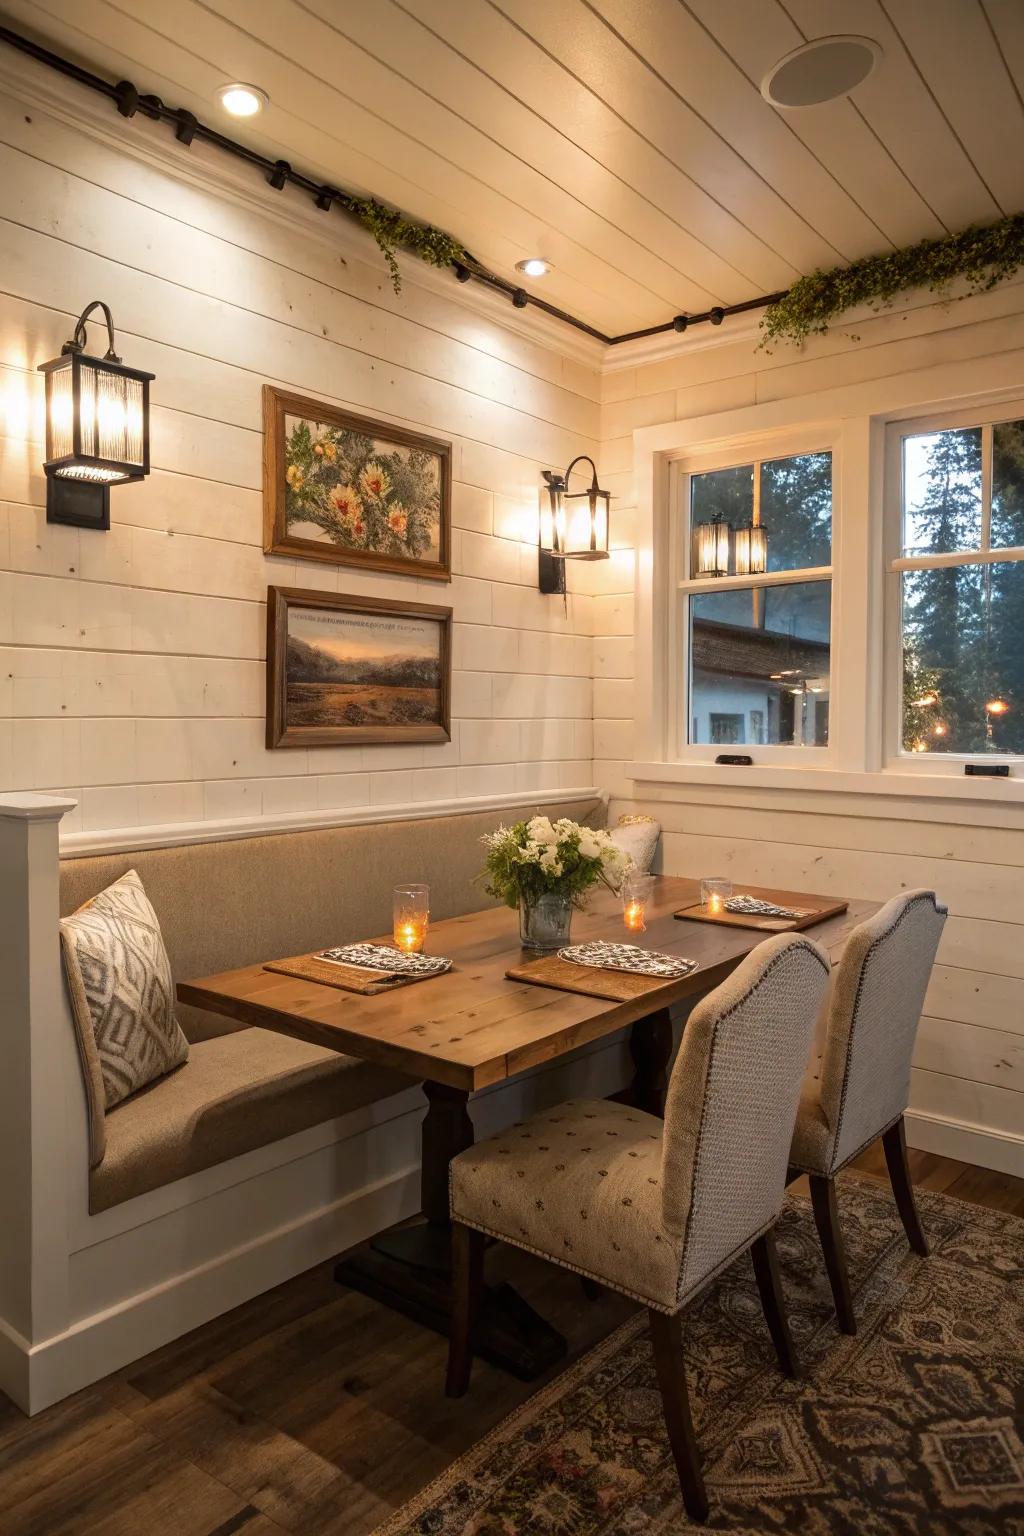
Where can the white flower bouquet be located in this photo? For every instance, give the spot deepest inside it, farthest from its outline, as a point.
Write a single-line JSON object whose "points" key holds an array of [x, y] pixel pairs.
{"points": [[546, 868]]}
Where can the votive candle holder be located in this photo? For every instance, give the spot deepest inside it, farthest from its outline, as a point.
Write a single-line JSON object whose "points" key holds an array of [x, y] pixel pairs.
{"points": [[411, 917], [714, 893], [637, 891]]}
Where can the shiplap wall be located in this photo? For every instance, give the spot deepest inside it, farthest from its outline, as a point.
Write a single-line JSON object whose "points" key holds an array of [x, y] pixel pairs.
{"points": [[131, 663], [969, 1063]]}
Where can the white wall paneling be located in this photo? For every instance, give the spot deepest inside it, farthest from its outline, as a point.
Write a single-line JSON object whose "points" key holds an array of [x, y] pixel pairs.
{"points": [[131, 663]]}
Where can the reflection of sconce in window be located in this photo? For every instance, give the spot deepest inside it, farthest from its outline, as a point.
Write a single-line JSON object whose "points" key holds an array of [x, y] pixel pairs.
{"points": [[751, 550], [713, 547], [97, 428]]}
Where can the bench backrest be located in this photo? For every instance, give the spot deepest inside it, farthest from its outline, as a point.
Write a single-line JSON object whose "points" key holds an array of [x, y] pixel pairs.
{"points": [[232, 903]]}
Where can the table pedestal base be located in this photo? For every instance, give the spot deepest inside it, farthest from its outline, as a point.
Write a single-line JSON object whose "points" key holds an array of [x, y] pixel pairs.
{"points": [[409, 1270]]}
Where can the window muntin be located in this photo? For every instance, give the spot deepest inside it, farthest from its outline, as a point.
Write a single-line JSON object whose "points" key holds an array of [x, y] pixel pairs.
{"points": [[757, 641], [961, 599]]}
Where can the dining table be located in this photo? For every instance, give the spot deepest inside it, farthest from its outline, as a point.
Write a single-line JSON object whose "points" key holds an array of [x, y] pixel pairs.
{"points": [[474, 1027]]}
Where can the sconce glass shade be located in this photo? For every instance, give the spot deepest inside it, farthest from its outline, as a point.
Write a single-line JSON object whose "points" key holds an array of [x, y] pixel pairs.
{"points": [[713, 547], [751, 550], [574, 525], [97, 429]]}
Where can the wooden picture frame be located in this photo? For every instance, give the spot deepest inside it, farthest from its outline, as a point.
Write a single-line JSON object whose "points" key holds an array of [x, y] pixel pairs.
{"points": [[354, 491], [326, 689]]}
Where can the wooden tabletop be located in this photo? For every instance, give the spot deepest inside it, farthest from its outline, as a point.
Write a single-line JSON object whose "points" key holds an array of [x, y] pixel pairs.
{"points": [[473, 1026]]}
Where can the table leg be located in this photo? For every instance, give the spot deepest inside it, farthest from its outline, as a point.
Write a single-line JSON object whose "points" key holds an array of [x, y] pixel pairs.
{"points": [[408, 1268], [650, 1045]]}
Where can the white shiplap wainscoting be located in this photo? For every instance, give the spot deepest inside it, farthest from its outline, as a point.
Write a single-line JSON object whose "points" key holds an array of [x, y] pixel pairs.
{"points": [[132, 663], [863, 833]]}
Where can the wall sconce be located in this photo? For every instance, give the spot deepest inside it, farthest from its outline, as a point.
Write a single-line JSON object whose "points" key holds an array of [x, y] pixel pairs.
{"points": [[713, 547], [97, 428], [573, 524], [751, 549]]}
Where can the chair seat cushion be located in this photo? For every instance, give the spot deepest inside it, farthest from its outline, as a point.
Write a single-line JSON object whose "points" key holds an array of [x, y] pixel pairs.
{"points": [[235, 1093], [580, 1184], [812, 1147]]}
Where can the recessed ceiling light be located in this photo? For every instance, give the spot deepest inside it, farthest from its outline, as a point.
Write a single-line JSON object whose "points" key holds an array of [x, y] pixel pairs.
{"points": [[822, 70], [534, 266], [242, 100]]}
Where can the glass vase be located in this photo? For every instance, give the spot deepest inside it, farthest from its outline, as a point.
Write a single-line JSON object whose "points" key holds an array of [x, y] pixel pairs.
{"points": [[545, 921]]}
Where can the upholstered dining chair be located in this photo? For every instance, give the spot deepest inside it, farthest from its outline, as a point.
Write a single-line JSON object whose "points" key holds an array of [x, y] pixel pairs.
{"points": [[872, 1016], [656, 1209]]}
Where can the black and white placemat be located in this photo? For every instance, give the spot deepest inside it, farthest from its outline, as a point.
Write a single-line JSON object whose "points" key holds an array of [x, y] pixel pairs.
{"points": [[605, 956], [385, 959], [753, 906]]}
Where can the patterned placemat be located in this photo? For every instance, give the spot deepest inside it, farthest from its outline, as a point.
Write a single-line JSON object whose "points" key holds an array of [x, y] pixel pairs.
{"points": [[607, 956], [753, 906], [385, 959]]}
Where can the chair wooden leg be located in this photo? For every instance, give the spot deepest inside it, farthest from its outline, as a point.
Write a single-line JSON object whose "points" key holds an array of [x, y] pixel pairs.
{"points": [[467, 1290], [894, 1143], [826, 1216], [667, 1344], [766, 1272]]}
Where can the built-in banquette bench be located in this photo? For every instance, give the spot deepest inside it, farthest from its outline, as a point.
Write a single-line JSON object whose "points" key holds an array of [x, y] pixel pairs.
{"points": [[260, 1156], [232, 903]]}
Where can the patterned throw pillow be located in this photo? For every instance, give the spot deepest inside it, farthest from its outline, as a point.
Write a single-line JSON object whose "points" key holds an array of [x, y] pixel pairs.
{"points": [[122, 996]]}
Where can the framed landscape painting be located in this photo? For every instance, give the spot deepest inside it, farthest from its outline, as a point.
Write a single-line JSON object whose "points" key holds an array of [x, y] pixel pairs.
{"points": [[350, 670], [353, 491]]}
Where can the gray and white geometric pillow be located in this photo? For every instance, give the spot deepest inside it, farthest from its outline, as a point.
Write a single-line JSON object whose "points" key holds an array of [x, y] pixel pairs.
{"points": [[122, 992]]}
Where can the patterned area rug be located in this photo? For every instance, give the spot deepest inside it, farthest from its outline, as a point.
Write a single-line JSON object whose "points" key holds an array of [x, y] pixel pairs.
{"points": [[913, 1428]]}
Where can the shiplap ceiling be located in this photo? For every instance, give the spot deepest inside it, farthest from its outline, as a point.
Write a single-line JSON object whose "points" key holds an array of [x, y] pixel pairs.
{"points": [[624, 140]]}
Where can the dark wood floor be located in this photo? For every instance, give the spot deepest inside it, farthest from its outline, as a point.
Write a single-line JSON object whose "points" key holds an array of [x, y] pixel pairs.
{"points": [[308, 1410]]}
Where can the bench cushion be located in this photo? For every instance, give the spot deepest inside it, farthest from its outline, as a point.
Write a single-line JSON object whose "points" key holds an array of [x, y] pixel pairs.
{"points": [[235, 1093], [227, 904]]}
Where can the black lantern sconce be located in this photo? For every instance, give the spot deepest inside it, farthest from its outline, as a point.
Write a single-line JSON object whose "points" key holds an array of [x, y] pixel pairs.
{"points": [[97, 428], [573, 525]]}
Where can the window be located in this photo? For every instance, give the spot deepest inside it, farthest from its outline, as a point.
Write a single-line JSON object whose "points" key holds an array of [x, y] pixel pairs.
{"points": [[959, 587], [754, 558]]}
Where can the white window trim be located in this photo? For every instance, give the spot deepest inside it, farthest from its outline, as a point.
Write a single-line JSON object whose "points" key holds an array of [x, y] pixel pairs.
{"points": [[856, 417], [682, 586], [897, 760]]}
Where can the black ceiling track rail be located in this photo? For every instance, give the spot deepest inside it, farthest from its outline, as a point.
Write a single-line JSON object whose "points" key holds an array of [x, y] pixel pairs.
{"points": [[129, 100]]}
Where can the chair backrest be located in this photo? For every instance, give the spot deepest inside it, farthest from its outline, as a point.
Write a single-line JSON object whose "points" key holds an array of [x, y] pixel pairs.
{"points": [[732, 1100], [873, 1013]]}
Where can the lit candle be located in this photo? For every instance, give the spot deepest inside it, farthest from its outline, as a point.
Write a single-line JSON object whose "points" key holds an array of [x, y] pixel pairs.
{"points": [[637, 890], [714, 893], [411, 916]]}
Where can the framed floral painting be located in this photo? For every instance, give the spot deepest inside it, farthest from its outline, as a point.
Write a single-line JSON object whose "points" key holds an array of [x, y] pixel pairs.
{"points": [[353, 491], [346, 670]]}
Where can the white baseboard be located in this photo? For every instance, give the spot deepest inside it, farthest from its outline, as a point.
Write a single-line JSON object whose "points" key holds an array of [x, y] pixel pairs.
{"points": [[95, 1346], [976, 1144]]}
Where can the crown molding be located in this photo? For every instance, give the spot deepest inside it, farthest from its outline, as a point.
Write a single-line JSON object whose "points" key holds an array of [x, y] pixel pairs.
{"points": [[202, 166], [669, 344]]}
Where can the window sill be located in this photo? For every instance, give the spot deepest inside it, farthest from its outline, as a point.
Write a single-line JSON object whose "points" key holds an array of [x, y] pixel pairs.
{"points": [[916, 786]]}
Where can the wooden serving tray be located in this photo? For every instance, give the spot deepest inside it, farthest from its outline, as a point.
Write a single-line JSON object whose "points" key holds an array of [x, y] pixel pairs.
{"points": [[818, 910], [566, 976], [348, 978]]}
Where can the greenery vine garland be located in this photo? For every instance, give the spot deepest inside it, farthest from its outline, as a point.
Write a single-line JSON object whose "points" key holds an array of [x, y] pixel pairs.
{"points": [[984, 256], [393, 232]]}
